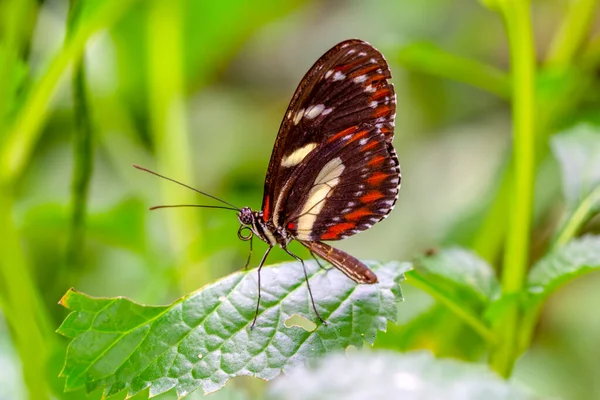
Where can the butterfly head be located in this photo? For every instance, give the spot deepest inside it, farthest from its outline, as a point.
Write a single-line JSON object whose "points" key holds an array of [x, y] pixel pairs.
{"points": [[246, 216]]}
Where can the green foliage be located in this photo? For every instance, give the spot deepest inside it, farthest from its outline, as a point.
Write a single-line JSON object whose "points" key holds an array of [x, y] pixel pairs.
{"points": [[196, 90], [384, 375], [204, 338], [563, 264], [578, 153], [462, 269]]}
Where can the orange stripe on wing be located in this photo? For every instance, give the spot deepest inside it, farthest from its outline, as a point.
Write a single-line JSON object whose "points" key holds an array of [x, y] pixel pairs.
{"points": [[376, 178], [365, 70], [335, 231], [343, 133], [371, 196], [381, 111], [358, 214], [376, 161], [358, 136], [384, 91]]}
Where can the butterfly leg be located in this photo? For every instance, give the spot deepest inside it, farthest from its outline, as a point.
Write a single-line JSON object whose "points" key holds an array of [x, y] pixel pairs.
{"points": [[249, 255], [312, 300], [317, 260], [262, 262]]}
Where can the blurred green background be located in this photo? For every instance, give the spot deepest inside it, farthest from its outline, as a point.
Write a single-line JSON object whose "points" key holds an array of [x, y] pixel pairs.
{"points": [[196, 90]]}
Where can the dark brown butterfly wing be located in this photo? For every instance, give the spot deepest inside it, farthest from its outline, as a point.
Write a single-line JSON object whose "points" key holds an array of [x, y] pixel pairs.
{"points": [[348, 184], [346, 92]]}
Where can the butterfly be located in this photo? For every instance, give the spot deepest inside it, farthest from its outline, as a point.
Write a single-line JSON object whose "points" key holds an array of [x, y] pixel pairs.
{"points": [[333, 171]]}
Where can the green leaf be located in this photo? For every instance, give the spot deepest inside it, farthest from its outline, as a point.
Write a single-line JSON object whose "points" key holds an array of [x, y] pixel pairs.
{"points": [[578, 152], [461, 268], [383, 375], [461, 281], [562, 265], [204, 338]]}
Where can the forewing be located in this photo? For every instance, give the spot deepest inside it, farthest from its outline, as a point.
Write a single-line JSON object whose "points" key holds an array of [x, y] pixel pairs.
{"points": [[348, 184], [346, 88]]}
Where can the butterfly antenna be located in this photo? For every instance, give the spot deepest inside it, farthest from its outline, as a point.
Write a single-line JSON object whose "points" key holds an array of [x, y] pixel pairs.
{"points": [[192, 205], [187, 186]]}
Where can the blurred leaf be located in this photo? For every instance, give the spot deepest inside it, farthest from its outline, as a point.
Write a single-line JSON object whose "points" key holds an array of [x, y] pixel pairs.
{"points": [[562, 265], [459, 280], [430, 59], [213, 33], [204, 339], [26, 130], [14, 72], [123, 225], [393, 376], [578, 152], [437, 330], [458, 267]]}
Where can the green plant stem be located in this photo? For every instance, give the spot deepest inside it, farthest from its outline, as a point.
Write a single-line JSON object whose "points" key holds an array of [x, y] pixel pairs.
{"points": [[459, 310], [13, 24], [572, 32], [430, 59], [82, 172], [492, 231], [25, 131], [171, 139], [22, 306], [517, 18]]}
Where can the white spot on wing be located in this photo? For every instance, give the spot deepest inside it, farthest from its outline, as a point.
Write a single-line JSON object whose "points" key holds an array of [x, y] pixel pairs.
{"points": [[322, 187], [360, 79], [362, 54], [370, 89], [363, 141], [338, 76], [298, 116], [373, 104], [327, 111], [297, 156], [314, 111], [328, 73]]}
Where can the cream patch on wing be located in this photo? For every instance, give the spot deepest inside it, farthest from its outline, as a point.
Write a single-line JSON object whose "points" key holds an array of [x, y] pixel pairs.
{"points": [[297, 156], [328, 178]]}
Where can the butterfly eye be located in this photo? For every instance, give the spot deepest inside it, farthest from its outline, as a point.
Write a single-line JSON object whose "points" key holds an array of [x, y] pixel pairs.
{"points": [[245, 235]]}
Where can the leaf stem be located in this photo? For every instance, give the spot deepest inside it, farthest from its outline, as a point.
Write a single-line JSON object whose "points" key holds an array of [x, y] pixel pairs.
{"points": [[428, 58], [572, 32], [577, 218], [82, 172], [414, 279], [517, 18], [22, 306]]}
